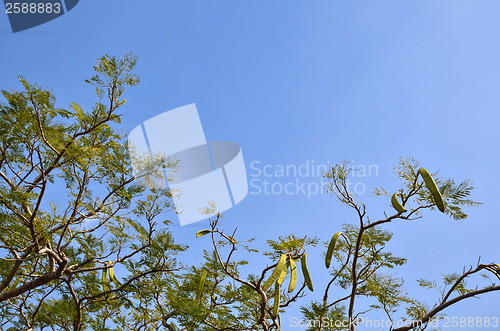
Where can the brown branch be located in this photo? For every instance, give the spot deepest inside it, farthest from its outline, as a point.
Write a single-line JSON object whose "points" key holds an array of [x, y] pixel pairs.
{"points": [[445, 305], [44, 279]]}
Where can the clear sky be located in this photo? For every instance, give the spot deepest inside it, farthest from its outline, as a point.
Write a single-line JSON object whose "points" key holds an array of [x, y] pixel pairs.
{"points": [[301, 81]]}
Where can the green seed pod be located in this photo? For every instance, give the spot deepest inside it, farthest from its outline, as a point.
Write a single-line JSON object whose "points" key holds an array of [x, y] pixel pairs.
{"points": [[305, 271], [276, 273], [202, 233], [495, 271], [293, 276], [281, 278], [331, 247], [277, 297], [113, 277], [201, 285], [105, 282], [396, 204], [432, 187]]}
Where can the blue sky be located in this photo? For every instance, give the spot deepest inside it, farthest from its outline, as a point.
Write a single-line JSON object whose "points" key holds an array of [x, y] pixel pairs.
{"points": [[292, 81]]}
